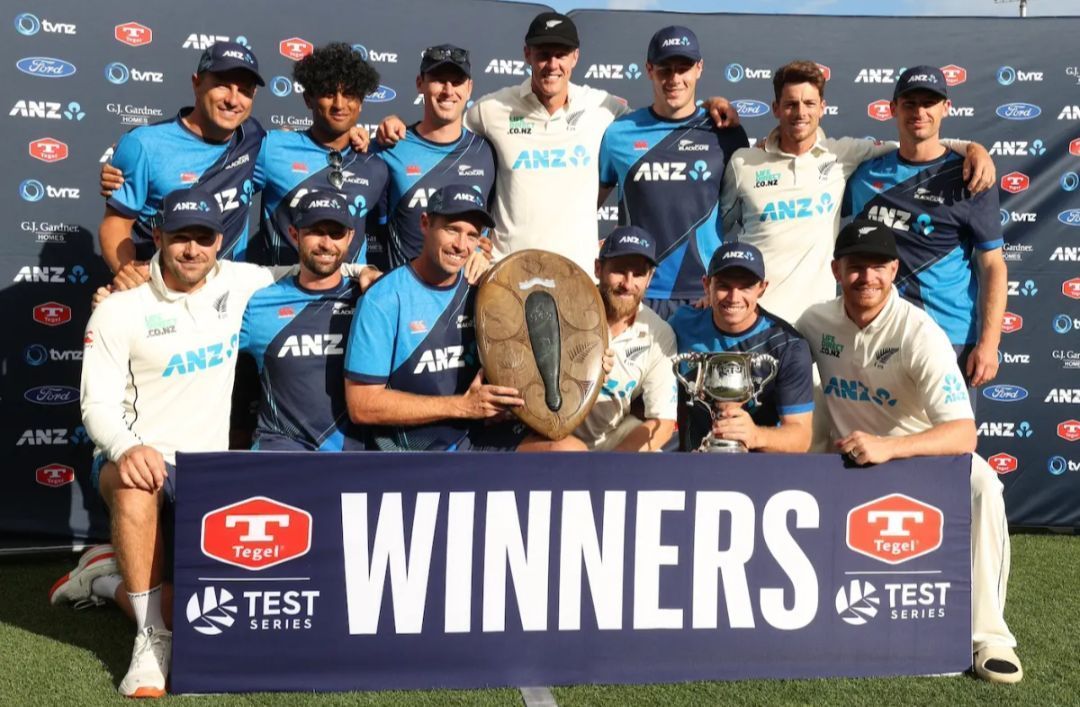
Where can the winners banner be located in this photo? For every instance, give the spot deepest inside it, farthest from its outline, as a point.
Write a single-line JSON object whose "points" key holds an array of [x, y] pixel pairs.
{"points": [[386, 571]]}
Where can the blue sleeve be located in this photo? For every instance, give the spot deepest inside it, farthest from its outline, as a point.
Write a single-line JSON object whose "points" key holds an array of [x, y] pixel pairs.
{"points": [[984, 220], [131, 159], [609, 175], [245, 329], [795, 381], [261, 164], [370, 353]]}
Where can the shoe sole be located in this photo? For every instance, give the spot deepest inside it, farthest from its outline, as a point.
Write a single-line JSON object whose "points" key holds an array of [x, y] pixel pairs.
{"points": [[89, 559], [147, 692]]}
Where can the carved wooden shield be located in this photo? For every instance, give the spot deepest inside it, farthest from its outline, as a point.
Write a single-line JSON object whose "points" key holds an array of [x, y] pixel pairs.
{"points": [[541, 328]]}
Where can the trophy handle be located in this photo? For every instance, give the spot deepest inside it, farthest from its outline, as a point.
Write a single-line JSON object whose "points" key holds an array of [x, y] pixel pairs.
{"points": [[692, 358], [774, 368]]}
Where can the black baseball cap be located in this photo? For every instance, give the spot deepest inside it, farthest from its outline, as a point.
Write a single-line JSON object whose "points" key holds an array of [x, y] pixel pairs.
{"points": [[552, 28], [865, 237], [445, 55], [224, 56], [671, 42], [629, 240], [185, 208], [459, 199], [316, 206], [737, 255], [922, 78]]}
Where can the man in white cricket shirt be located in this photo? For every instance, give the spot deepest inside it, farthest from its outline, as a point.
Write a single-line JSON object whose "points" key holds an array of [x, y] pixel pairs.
{"points": [[894, 391]]}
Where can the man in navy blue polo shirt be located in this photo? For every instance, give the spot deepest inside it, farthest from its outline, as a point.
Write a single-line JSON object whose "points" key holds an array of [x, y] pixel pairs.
{"points": [[293, 163], [411, 368], [781, 422], [949, 240], [668, 161], [435, 151], [297, 328], [213, 144]]}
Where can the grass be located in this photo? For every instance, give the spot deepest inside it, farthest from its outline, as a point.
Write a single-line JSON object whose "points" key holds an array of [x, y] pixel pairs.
{"points": [[54, 656]]}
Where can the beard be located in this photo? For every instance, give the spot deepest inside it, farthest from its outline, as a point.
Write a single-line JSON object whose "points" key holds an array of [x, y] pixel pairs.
{"points": [[321, 269], [615, 307]]}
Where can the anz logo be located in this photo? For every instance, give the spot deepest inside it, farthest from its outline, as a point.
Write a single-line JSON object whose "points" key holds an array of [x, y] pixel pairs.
{"points": [[419, 198], [661, 172], [805, 207], [901, 220], [442, 359], [508, 67], [557, 158], [312, 345], [200, 359], [233, 198], [613, 71], [857, 390]]}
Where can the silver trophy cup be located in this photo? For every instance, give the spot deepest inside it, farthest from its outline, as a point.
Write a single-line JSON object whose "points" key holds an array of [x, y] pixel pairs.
{"points": [[729, 377]]}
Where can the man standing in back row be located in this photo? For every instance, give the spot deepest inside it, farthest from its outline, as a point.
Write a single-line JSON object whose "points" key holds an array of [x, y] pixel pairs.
{"points": [[949, 240], [546, 133], [668, 161]]}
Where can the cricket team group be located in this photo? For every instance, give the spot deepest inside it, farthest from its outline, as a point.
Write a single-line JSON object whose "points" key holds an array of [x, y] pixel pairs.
{"points": [[882, 329]]}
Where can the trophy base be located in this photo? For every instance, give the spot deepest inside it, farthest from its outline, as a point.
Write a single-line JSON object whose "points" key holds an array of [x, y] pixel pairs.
{"points": [[722, 446]]}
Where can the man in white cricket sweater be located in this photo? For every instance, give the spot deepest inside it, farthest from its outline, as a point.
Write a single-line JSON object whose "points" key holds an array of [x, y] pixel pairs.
{"points": [[894, 391]]}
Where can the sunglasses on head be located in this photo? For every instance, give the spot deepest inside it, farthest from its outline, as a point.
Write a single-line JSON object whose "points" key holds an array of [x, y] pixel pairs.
{"points": [[442, 54]]}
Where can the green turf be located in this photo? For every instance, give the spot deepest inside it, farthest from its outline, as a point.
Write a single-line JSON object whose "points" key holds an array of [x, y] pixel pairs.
{"points": [[59, 657]]}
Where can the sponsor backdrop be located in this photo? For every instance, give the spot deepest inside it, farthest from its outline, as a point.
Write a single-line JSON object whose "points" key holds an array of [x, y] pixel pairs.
{"points": [[379, 571], [80, 74]]}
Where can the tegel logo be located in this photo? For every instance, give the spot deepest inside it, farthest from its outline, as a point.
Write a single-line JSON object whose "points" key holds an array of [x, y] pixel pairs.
{"points": [[879, 110], [894, 529], [256, 533], [52, 313], [211, 612], [1069, 430], [295, 48], [48, 150], [1071, 288], [1003, 463], [133, 34], [54, 475], [1004, 393], [1015, 182], [1011, 323]]}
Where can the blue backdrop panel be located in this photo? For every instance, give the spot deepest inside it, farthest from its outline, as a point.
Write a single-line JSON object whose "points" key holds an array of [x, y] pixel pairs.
{"points": [[378, 571], [79, 74]]}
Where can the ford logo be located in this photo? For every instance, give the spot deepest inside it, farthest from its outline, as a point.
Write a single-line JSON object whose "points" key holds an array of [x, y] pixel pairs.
{"points": [[45, 67], [1005, 393], [1070, 217], [382, 94], [1018, 111], [52, 395], [749, 108]]}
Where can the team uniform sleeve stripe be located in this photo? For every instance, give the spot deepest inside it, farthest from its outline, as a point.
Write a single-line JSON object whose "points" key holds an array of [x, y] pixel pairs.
{"points": [[365, 378], [990, 245], [795, 409]]}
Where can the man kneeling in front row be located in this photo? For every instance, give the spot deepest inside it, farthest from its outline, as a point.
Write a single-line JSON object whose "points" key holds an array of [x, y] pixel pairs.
{"points": [[641, 345], [919, 407]]}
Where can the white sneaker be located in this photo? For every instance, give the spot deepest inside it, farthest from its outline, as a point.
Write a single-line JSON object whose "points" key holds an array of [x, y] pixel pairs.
{"points": [[74, 586], [149, 667]]}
